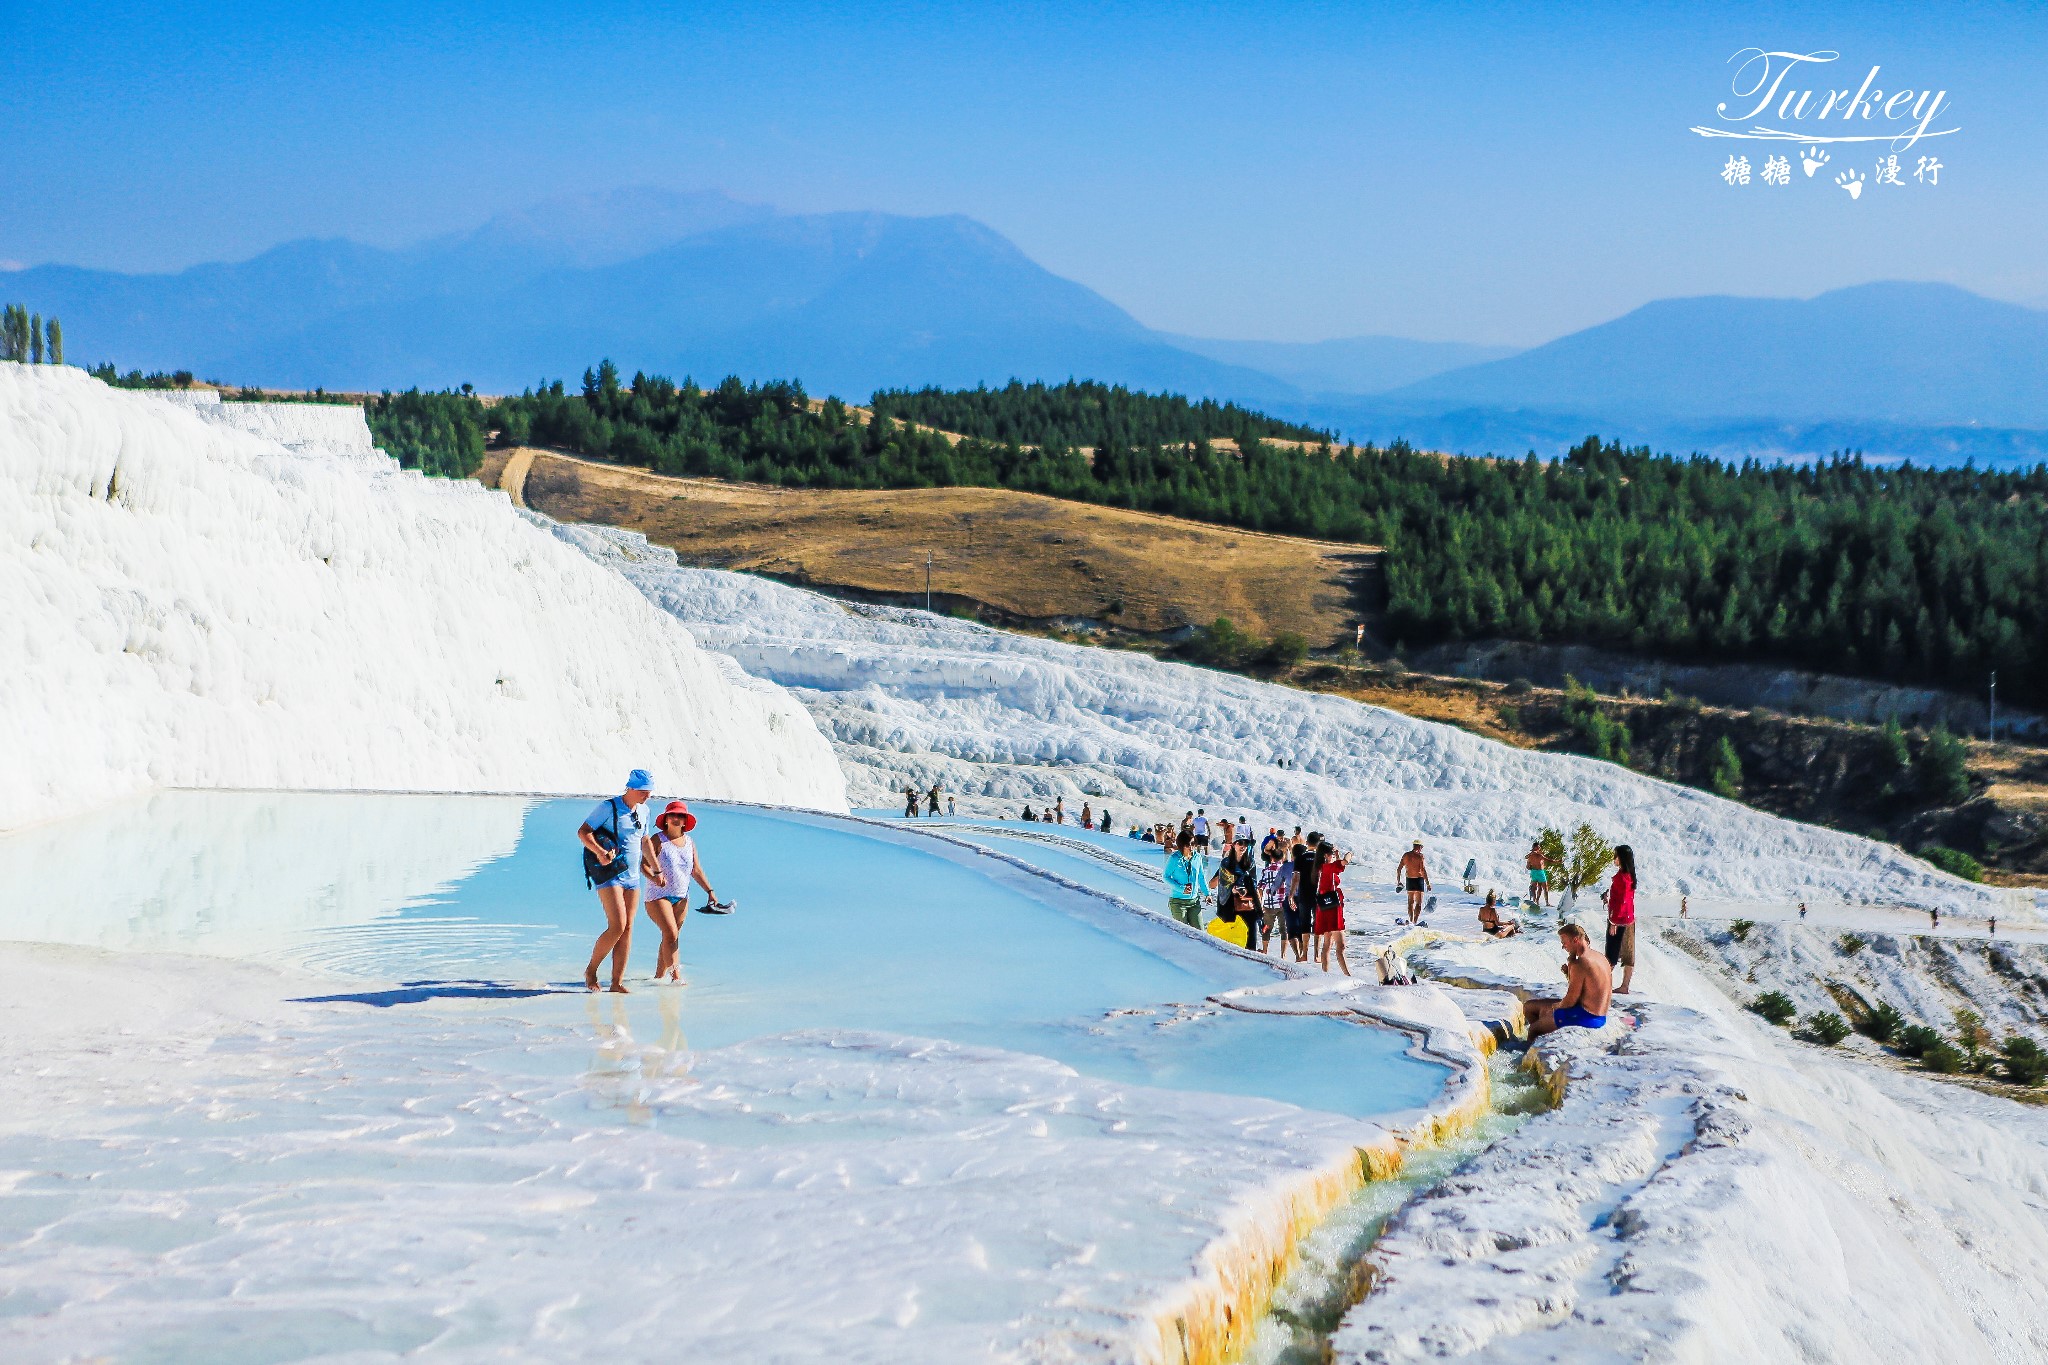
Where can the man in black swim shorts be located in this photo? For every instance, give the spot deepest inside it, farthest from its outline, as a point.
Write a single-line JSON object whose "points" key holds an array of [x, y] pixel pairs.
{"points": [[1412, 876]]}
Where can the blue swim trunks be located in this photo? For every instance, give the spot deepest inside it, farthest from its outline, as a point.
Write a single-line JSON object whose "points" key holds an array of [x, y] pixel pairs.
{"points": [[1571, 1016]]}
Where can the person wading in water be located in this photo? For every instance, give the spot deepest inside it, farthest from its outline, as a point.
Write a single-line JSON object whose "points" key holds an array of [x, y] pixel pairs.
{"points": [[665, 884]]}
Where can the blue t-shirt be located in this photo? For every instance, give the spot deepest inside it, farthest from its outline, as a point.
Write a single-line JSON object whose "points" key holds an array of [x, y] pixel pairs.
{"points": [[631, 828]]}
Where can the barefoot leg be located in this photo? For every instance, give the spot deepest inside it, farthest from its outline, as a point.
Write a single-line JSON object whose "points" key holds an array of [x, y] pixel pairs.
{"points": [[662, 911], [617, 921], [629, 904]]}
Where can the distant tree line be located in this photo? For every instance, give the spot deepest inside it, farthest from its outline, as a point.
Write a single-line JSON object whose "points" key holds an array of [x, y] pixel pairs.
{"points": [[1914, 575], [1924, 576], [26, 339], [107, 373], [1083, 414]]}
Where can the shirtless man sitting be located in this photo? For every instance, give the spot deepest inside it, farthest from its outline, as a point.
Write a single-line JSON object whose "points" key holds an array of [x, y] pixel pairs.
{"points": [[1590, 987]]}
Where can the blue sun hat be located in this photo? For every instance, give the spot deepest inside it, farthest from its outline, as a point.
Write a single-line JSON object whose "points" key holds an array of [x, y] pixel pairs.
{"points": [[639, 780]]}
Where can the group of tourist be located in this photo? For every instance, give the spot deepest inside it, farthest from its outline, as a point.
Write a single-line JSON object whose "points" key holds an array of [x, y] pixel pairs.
{"points": [[628, 859], [1293, 886], [930, 801], [1056, 814]]}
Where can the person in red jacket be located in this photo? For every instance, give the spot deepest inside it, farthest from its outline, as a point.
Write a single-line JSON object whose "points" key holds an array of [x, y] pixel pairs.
{"points": [[1621, 917]]}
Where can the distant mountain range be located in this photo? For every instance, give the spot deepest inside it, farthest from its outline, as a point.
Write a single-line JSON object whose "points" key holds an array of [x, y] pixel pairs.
{"points": [[703, 285], [1347, 366]]}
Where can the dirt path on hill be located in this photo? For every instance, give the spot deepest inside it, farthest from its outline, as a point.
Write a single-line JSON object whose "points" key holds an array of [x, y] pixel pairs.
{"points": [[512, 478], [1017, 558]]}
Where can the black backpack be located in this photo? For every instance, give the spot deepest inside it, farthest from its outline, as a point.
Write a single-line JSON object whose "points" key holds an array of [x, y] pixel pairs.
{"points": [[608, 840]]}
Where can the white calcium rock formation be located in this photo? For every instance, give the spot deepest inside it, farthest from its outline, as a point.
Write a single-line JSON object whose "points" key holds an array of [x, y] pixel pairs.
{"points": [[1005, 719], [187, 603]]}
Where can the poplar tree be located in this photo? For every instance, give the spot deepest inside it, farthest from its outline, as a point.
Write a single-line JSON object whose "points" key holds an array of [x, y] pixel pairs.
{"points": [[56, 347], [35, 339], [1726, 779]]}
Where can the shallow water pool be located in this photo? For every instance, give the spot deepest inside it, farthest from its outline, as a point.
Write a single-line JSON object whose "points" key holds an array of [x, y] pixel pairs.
{"points": [[1146, 889], [842, 925]]}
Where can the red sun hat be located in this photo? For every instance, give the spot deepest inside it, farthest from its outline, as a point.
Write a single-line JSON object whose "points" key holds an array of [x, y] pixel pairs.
{"points": [[678, 808]]}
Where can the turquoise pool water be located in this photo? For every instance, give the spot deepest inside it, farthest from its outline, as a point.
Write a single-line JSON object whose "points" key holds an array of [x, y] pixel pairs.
{"points": [[1094, 873], [1135, 849], [402, 900]]}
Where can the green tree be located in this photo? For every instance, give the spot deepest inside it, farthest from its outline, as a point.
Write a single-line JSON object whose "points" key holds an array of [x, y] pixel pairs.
{"points": [[1578, 861], [1726, 779], [56, 346], [35, 339], [1222, 643], [1954, 861], [1941, 771], [1827, 1028], [1775, 1006], [1893, 758], [1285, 650], [437, 433], [2025, 1062], [1884, 1023], [1593, 730], [1590, 857]]}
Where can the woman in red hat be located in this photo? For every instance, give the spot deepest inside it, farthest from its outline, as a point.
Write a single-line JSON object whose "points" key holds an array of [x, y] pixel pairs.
{"points": [[665, 883]]}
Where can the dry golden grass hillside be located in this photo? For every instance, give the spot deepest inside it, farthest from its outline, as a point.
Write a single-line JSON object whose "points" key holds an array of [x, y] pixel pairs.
{"points": [[1019, 556]]}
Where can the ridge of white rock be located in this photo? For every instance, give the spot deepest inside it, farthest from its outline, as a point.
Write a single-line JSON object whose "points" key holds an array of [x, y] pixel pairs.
{"points": [[338, 426], [1712, 1189], [1002, 719], [213, 598]]}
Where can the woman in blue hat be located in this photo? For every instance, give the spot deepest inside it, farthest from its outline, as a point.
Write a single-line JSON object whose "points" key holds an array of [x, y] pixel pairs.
{"points": [[615, 845]]}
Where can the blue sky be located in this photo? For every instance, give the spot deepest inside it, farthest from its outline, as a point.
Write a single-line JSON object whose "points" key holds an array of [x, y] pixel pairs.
{"points": [[1279, 171]]}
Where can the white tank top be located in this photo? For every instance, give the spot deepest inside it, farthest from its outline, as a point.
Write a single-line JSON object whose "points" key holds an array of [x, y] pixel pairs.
{"points": [[678, 857]]}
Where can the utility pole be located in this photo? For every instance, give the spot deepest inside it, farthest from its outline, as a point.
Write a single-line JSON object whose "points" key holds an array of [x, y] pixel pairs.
{"points": [[927, 580]]}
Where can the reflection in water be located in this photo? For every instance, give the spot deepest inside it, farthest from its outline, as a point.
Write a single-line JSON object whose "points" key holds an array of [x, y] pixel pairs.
{"points": [[669, 1064], [624, 1075], [258, 874]]}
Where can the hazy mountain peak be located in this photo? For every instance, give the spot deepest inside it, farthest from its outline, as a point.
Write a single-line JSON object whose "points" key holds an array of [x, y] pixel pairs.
{"points": [[604, 227], [1891, 350], [1346, 366]]}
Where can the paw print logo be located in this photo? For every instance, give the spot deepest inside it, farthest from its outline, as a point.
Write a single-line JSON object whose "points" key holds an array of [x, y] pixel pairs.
{"points": [[1851, 181], [1812, 158]]}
